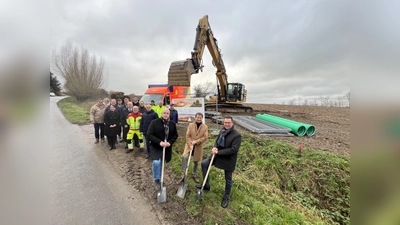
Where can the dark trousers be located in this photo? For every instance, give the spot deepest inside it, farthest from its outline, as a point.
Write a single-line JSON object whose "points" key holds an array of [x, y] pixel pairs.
{"points": [[147, 145], [136, 141], [121, 131], [111, 140], [228, 177], [125, 132], [99, 127]]}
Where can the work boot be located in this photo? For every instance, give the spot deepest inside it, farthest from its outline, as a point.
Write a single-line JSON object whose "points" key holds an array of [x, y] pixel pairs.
{"points": [[147, 156], [195, 179], [97, 141], [102, 140], [179, 182], [206, 187], [128, 151], [157, 185], [141, 149], [225, 202]]}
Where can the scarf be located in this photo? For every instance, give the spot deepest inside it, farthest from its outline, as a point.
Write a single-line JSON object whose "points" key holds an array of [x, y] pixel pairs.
{"points": [[221, 139], [166, 127]]}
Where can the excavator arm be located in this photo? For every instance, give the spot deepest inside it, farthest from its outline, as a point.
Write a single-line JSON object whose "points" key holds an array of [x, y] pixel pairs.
{"points": [[230, 94], [205, 37]]}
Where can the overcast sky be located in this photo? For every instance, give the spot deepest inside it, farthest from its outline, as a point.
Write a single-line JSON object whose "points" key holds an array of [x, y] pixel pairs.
{"points": [[279, 49]]}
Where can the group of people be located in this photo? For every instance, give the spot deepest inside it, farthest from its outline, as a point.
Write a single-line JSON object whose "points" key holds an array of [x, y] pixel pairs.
{"points": [[132, 118], [157, 125]]}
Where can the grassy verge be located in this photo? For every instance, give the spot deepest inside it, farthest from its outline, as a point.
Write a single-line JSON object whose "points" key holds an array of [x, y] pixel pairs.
{"points": [[74, 111], [271, 184]]}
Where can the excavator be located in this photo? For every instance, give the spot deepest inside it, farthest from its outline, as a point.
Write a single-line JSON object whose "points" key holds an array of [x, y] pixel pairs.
{"points": [[230, 95]]}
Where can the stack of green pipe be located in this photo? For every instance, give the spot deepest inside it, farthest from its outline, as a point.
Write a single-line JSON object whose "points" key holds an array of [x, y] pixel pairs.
{"points": [[300, 129]]}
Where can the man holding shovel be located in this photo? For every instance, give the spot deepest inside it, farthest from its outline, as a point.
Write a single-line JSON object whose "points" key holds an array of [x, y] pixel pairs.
{"points": [[162, 133], [225, 152], [196, 136]]}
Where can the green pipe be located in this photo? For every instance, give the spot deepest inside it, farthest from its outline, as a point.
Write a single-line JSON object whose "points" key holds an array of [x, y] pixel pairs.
{"points": [[310, 129], [297, 129]]}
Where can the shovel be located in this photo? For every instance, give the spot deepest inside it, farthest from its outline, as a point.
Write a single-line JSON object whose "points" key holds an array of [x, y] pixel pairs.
{"points": [[162, 195], [182, 188], [200, 192]]}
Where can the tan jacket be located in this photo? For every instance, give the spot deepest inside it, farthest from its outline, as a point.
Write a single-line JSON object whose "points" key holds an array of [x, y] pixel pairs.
{"points": [[97, 113], [200, 136]]}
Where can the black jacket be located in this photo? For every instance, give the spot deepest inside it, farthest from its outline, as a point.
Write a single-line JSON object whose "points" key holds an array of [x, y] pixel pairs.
{"points": [[226, 157], [124, 114], [110, 118], [156, 134], [147, 117], [142, 109]]}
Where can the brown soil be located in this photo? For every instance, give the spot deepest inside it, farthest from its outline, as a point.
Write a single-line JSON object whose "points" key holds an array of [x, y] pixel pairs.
{"points": [[332, 134], [332, 125]]}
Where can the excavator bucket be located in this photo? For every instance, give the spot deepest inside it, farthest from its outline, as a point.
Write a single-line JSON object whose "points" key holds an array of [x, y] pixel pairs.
{"points": [[179, 73]]}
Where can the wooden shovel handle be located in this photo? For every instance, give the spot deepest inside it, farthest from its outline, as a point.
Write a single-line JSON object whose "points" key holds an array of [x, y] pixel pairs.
{"points": [[187, 164], [208, 171]]}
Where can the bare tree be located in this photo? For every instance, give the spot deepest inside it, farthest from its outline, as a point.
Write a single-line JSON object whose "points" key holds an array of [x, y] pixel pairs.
{"points": [[204, 89], [327, 101], [83, 73], [292, 102], [348, 97], [315, 102], [299, 99], [321, 100]]}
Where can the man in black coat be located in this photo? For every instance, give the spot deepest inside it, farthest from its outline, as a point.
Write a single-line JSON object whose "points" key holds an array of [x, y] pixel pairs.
{"points": [[162, 133], [225, 149], [147, 117]]}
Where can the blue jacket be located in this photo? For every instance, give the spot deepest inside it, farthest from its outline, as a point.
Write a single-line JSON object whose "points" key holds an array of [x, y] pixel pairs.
{"points": [[147, 117], [173, 115]]}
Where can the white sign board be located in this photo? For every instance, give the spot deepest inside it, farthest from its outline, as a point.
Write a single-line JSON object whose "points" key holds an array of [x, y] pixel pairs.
{"points": [[188, 107]]}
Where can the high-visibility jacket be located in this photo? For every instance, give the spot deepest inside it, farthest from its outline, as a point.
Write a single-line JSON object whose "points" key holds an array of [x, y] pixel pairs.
{"points": [[158, 109], [133, 120]]}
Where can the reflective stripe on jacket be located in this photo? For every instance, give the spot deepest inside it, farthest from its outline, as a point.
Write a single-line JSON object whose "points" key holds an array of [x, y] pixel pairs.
{"points": [[133, 120]]}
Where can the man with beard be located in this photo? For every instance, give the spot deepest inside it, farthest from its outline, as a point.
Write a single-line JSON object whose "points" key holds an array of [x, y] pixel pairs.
{"points": [[162, 133]]}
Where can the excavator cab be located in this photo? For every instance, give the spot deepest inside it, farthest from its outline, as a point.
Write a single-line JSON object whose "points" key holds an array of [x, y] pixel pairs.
{"points": [[235, 93]]}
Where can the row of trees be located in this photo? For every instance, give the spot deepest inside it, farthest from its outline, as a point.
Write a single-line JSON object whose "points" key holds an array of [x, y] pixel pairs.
{"points": [[207, 88], [340, 101]]}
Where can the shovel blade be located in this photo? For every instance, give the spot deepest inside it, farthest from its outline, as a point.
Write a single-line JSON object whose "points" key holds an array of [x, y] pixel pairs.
{"points": [[182, 190], [162, 195], [199, 195]]}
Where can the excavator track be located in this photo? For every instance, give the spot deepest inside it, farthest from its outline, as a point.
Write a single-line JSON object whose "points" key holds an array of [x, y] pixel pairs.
{"points": [[179, 73], [228, 108]]}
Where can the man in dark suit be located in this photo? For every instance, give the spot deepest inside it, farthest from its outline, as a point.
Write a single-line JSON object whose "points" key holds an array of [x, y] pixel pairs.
{"points": [[225, 149], [162, 133]]}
